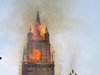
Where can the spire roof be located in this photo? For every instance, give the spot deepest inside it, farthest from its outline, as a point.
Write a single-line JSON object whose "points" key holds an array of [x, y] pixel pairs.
{"points": [[38, 19]]}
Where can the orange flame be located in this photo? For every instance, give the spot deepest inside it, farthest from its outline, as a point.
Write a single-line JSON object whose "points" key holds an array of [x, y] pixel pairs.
{"points": [[35, 56], [51, 55], [38, 32], [42, 31]]}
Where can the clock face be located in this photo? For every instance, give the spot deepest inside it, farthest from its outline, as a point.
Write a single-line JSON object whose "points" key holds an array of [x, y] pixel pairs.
{"points": [[35, 56]]}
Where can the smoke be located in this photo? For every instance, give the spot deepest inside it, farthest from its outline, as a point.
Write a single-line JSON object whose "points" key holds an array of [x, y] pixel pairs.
{"points": [[54, 14]]}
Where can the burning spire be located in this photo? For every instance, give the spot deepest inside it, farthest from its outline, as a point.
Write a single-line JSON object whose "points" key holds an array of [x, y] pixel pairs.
{"points": [[37, 32]]}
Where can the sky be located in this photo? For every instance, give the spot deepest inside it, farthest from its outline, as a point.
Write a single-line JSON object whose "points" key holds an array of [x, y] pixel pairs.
{"points": [[74, 27]]}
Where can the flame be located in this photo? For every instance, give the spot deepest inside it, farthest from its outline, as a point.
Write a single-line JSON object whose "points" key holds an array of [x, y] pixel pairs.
{"points": [[51, 55], [38, 31], [42, 31], [35, 56]]}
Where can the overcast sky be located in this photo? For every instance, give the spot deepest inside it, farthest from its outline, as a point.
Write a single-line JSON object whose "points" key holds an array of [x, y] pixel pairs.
{"points": [[74, 27]]}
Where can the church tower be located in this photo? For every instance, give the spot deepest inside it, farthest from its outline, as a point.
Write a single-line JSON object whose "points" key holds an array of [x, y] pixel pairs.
{"points": [[37, 54]]}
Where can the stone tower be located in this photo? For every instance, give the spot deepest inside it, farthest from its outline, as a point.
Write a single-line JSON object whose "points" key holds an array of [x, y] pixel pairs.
{"points": [[37, 54]]}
